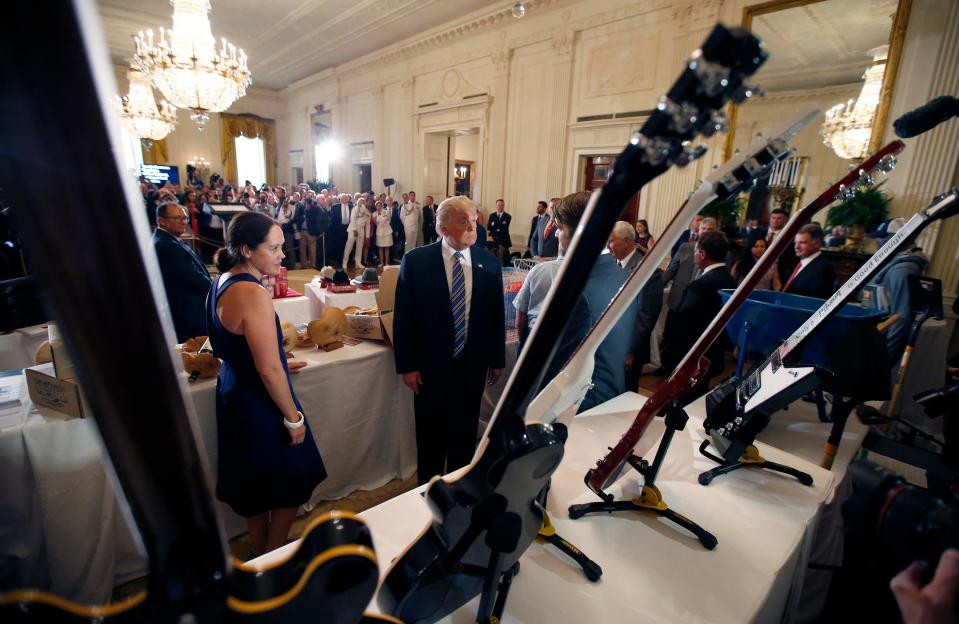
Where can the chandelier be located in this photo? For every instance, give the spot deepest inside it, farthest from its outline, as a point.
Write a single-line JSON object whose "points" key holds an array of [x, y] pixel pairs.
{"points": [[848, 126], [186, 66], [139, 114]]}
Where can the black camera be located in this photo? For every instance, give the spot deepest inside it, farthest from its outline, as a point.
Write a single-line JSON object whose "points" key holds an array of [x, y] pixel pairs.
{"points": [[902, 521]]}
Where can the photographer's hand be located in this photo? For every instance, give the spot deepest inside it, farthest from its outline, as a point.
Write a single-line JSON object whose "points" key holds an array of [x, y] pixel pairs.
{"points": [[936, 602]]}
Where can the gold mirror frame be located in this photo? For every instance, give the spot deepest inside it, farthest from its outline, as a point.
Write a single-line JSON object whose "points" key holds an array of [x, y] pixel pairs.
{"points": [[897, 35]]}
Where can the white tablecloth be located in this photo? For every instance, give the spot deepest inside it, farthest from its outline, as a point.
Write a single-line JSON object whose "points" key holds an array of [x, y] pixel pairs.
{"points": [[293, 309], [18, 349], [320, 297], [60, 523], [653, 571]]}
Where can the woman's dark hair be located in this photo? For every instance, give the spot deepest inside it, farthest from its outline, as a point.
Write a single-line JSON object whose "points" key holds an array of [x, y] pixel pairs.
{"points": [[645, 225], [246, 228]]}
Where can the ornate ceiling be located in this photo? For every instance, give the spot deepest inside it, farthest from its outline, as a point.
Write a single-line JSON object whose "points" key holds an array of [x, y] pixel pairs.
{"points": [[288, 40]]}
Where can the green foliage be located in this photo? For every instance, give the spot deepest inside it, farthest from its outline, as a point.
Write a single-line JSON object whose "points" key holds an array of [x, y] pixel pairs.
{"points": [[724, 210], [319, 186], [869, 208]]}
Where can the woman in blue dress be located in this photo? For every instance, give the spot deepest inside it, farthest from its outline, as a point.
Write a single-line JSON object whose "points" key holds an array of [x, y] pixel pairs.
{"points": [[268, 463]]}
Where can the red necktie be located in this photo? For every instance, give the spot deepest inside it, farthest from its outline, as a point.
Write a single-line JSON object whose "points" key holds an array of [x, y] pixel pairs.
{"points": [[548, 229], [793, 276]]}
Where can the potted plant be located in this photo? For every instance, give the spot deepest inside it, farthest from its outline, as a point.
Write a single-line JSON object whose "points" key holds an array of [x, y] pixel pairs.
{"points": [[725, 211], [865, 211]]}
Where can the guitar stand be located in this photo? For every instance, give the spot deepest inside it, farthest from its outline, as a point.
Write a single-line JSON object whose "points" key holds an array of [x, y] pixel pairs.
{"points": [[650, 498], [749, 459], [548, 535], [501, 537]]}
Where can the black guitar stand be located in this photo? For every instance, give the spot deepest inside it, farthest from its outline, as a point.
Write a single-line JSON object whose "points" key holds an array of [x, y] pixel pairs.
{"points": [[502, 537], [650, 498], [548, 535], [749, 459]]}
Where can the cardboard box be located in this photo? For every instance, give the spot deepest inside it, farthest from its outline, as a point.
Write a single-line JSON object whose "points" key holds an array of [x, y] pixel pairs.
{"points": [[380, 326], [61, 395]]}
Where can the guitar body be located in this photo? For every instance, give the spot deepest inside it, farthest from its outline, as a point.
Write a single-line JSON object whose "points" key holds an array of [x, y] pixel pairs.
{"points": [[444, 568], [330, 578]]}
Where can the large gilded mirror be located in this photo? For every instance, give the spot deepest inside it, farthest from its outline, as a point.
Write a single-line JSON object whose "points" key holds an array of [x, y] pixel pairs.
{"points": [[831, 54]]}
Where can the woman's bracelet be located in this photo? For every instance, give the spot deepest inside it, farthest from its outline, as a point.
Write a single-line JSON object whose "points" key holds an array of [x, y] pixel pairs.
{"points": [[297, 425]]}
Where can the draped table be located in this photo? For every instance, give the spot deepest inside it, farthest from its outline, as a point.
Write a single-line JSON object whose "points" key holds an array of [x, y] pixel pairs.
{"points": [[320, 297], [653, 571], [61, 524]]}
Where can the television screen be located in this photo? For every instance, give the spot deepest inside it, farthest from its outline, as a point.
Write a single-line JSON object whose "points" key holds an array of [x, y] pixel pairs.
{"points": [[160, 174]]}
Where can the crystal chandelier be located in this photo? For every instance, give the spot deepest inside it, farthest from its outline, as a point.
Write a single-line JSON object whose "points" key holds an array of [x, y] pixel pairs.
{"points": [[848, 126], [185, 65], [139, 114]]}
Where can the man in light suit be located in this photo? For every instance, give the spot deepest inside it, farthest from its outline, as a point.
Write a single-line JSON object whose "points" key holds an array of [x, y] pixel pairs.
{"points": [[605, 280], [700, 305], [813, 275], [649, 301], [448, 337], [185, 278], [339, 220]]}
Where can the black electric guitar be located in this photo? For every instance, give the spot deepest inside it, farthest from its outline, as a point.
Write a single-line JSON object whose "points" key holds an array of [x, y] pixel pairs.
{"points": [[134, 386], [485, 519], [738, 411]]}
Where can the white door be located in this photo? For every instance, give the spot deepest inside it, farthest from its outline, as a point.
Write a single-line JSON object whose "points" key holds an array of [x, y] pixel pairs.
{"points": [[436, 157]]}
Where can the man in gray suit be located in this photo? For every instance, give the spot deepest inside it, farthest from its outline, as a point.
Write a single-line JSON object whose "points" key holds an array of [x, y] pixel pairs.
{"points": [[682, 268], [622, 245], [545, 243]]}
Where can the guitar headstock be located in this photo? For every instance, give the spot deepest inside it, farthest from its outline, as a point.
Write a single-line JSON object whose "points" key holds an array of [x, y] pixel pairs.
{"points": [[864, 175], [944, 206], [714, 74]]}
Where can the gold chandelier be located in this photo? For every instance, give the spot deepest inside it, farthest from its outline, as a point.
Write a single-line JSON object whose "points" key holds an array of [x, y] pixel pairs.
{"points": [[185, 65], [848, 126], [139, 114]]}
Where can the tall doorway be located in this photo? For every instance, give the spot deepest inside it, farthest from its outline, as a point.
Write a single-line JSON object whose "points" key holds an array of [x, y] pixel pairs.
{"points": [[450, 159], [363, 177], [597, 170]]}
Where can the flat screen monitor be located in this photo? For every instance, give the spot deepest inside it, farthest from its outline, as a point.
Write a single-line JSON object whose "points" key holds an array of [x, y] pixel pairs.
{"points": [[160, 174]]}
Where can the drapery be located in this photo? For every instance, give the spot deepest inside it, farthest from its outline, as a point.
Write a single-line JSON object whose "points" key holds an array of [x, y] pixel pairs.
{"points": [[156, 155], [250, 126]]}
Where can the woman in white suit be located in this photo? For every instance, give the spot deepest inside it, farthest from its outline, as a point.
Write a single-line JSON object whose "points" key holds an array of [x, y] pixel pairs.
{"points": [[357, 231]]}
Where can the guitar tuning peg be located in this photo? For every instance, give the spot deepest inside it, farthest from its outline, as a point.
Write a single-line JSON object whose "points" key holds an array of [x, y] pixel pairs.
{"points": [[887, 163], [688, 154], [717, 123], [746, 91], [846, 192]]}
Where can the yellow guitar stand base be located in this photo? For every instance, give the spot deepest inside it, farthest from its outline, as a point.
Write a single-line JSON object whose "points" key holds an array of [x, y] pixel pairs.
{"points": [[548, 535], [650, 498], [750, 458]]}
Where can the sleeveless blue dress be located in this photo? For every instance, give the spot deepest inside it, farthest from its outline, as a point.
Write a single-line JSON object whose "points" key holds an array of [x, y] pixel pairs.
{"points": [[257, 468]]}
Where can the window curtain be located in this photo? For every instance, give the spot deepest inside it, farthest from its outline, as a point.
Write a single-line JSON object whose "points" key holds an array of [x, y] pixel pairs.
{"points": [[156, 155], [252, 127]]}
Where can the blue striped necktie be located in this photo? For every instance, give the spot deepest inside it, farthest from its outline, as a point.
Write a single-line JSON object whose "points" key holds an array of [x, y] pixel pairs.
{"points": [[458, 303]]}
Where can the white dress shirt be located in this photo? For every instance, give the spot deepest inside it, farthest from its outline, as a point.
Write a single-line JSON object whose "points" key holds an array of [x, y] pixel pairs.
{"points": [[805, 261], [711, 267], [622, 263], [467, 263], [344, 213]]}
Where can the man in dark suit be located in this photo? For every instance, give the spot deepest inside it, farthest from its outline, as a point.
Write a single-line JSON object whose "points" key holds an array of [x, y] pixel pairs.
{"points": [[396, 224], [185, 278], [429, 221], [339, 220], [700, 305], [788, 260], [448, 337], [813, 275], [689, 236], [498, 227], [545, 242], [531, 240]]}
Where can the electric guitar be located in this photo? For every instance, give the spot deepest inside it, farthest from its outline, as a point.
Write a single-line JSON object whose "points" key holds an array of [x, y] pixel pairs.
{"points": [[134, 387], [485, 519], [738, 411], [330, 577], [694, 366], [560, 399]]}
